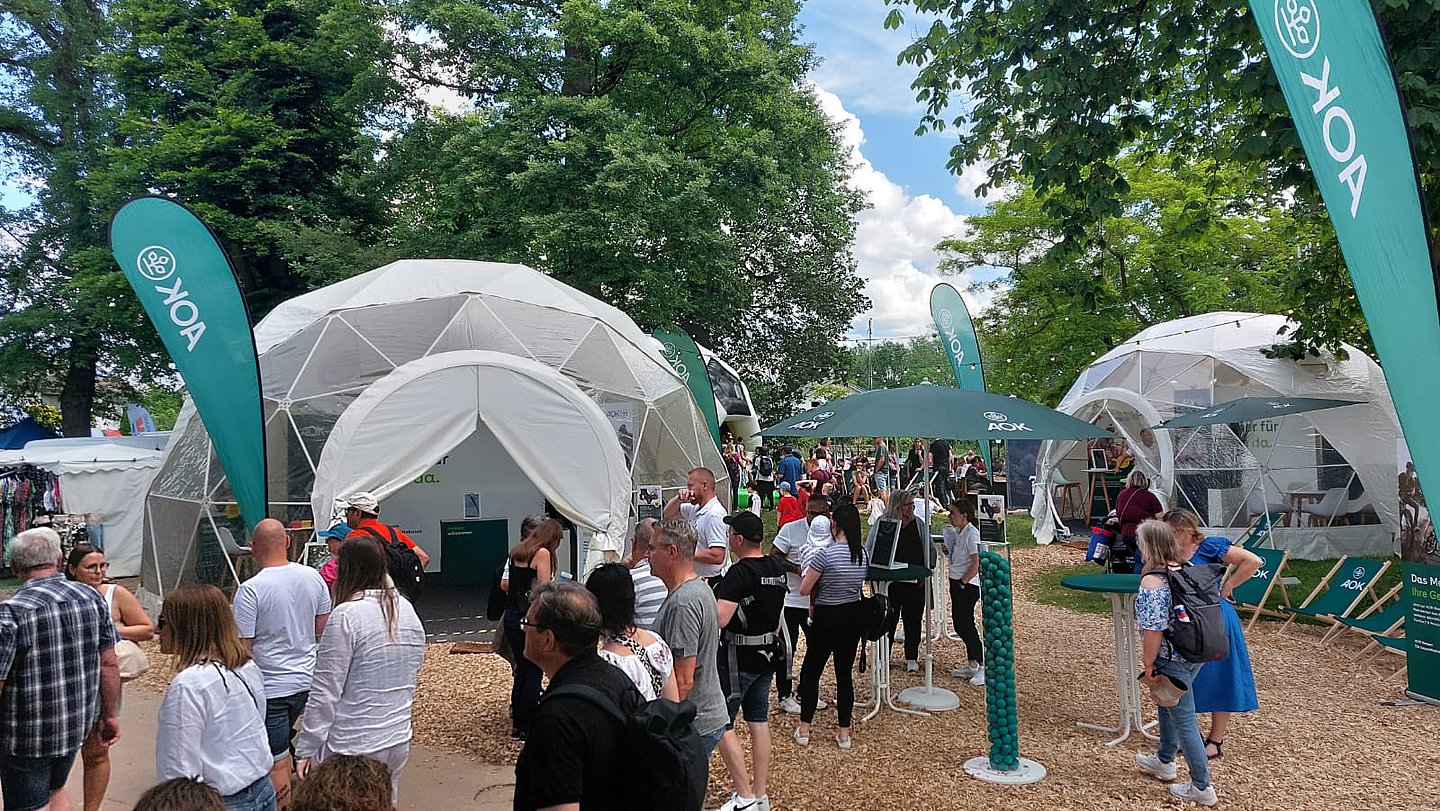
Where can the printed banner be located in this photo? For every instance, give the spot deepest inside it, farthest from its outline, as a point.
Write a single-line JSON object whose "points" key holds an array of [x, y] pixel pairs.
{"points": [[1422, 628], [957, 335], [139, 418], [1340, 87], [189, 290], [992, 518], [680, 351]]}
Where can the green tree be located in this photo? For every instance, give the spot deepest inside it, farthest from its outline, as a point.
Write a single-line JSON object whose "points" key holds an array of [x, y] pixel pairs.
{"points": [[1203, 238], [892, 364], [663, 156], [66, 314], [1056, 93]]}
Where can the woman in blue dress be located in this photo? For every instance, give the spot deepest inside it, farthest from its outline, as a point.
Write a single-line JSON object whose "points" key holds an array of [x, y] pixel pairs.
{"points": [[1227, 686]]}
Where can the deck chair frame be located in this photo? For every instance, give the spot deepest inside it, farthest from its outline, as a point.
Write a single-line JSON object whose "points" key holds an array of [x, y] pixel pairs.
{"points": [[1381, 603], [1323, 586], [1261, 528], [1259, 608]]}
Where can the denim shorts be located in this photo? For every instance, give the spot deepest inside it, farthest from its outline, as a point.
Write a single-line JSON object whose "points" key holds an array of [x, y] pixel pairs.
{"points": [[28, 781], [754, 697], [258, 796], [280, 717]]}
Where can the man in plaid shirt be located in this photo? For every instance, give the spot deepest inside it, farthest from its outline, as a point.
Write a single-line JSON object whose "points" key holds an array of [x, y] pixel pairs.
{"points": [[57, 663]]}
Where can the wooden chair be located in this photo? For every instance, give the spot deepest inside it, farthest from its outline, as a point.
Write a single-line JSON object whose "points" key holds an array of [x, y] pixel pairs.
{"points": [[1256, 591], [1330, 600]]}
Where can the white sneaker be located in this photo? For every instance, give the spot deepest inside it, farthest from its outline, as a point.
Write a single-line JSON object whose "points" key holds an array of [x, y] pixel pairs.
{"points": [[1154, 766], [912, 666], [1187, 791], [762, 804], [791, 704], [978, 680], [963, 672], [738, 803]]}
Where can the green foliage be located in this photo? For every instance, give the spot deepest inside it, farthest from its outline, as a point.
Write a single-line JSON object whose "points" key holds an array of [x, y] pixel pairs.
{"points": [[661, 156], [892, 364], [1057, 95], [1188, 239]]}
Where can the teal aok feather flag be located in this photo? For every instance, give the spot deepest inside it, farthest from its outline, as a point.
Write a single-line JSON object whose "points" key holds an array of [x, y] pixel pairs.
{"points": [[1340, 86], [680, 351], [186, 285], [957, 335]]}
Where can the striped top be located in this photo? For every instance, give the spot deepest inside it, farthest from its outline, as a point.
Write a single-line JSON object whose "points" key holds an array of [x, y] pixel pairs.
{"points": [[650, 592], [840, 577]]}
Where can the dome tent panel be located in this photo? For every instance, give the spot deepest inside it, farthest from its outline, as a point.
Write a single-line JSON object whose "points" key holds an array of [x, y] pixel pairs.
{"points": [[281, 366], [1193, 363], [476, 326], [342, 359], [406, 331], [549, 336], [183, 473], [598, 351], [532, 409]]}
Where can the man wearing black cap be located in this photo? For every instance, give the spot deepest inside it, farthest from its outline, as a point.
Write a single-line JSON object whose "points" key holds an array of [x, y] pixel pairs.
{"points": [[750, 598]]}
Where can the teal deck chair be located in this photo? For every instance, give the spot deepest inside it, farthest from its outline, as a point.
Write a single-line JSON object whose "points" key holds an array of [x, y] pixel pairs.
{"points": [[1255, 592], [1338, 598], [1395, 644], [1260, 530], [1381, 619]]}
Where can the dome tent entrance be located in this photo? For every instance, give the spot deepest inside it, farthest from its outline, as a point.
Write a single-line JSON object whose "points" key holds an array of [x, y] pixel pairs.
{"points": [[1229, 474], [320, 351], [531, 409]]}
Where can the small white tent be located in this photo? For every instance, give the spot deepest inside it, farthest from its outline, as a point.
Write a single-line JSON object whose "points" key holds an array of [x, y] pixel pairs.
{"points": [[102, 479], [1230, 474], [464, 391]]}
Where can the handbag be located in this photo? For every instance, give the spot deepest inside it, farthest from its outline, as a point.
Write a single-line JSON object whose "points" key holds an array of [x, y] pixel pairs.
{"points": [[133, 661]]}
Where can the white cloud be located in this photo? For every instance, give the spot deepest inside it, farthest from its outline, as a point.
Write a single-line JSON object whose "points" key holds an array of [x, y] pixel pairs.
{"points": [[895, 240]]}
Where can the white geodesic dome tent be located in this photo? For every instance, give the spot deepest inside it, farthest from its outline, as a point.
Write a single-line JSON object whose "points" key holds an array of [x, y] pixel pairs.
{"points": [[1230, 474], [476, 389]]}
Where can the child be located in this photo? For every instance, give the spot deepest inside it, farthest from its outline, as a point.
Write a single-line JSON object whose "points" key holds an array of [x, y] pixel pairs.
{"points": [[1154, 613]]}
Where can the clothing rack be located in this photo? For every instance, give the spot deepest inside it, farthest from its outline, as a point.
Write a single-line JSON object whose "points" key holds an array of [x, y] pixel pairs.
{"points": [[26, 492]]}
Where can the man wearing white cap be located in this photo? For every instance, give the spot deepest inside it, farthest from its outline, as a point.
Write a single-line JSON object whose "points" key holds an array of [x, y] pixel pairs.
{"points": [[362, 513]]}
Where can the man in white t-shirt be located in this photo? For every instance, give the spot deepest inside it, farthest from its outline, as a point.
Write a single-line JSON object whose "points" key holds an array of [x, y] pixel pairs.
{"points": [[792, 546], [699, 505], [280, 612]]}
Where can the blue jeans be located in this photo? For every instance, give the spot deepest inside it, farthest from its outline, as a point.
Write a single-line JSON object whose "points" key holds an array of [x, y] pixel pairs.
{"points": [[27, 782], [258, 796], [525, 691], [882, 480], [754, 697], [1178, 726]]}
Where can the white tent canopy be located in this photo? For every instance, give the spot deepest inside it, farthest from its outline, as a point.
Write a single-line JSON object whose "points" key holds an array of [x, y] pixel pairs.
{"points": [[104, 479], [1230, 474], [531, 408], [322, 351]]}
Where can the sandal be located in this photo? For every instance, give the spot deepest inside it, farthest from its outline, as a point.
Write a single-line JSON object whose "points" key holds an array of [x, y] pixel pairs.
{"points": [[803, 740], [1219, 749], [843, 743]]}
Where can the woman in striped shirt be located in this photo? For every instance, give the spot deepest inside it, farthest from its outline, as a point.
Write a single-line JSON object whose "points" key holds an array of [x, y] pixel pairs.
{"points": [[833, 578]]}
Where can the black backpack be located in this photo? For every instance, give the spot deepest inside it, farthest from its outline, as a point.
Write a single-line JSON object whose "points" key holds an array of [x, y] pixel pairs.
{"points": [[404, 565], [1197, 626], [495, 604], [660, 734], [875, 616], [765, 465]]}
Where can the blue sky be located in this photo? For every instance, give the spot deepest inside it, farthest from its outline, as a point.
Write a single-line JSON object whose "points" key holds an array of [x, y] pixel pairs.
{"points": [[915, 201]]}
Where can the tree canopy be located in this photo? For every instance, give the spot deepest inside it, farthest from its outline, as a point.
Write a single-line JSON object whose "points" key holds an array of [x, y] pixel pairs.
{"points": [[1053, 96]]}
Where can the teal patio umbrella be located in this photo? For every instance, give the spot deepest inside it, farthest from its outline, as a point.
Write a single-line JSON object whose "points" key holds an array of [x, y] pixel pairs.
{"points": [[935, 412], [1248, 409]]}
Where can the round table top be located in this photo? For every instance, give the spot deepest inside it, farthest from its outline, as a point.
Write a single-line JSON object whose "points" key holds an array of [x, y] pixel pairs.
{"points": [[912, 572], [1103, 583]]}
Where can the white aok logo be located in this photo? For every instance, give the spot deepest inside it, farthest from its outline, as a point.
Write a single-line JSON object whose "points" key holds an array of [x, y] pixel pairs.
{"points": [[155, 263], [1298, 24], [814, 422], [995, 416]]}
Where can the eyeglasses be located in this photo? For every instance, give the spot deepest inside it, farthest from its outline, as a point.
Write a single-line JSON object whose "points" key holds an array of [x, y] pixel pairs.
{"points": [[524, 623], [95, 567]]}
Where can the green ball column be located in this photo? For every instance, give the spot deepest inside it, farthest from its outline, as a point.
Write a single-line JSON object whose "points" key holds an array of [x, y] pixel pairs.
{"points": [[996, 613]]}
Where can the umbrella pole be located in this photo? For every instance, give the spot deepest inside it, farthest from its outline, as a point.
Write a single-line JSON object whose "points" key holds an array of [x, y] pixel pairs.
{"points": [[928, 697]]}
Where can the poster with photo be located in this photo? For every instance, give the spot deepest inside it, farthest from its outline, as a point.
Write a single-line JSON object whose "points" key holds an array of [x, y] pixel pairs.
{"points": [[991, 514], [648, 501], [623, 416], [1417, 530]]}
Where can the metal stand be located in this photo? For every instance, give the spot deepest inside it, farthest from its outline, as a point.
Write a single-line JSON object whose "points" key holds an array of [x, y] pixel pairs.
{"points": [[929, 697], [1127, 665], [880, 669], [1029, 772]]}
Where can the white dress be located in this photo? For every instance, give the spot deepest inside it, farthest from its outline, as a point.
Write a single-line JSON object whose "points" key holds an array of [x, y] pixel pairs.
{"points": [[662, 663]]}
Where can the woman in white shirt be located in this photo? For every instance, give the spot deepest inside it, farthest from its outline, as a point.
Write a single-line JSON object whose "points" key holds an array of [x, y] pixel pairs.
{"points": [[365, 669], [640, 654], [212, 722], [962, 547]]}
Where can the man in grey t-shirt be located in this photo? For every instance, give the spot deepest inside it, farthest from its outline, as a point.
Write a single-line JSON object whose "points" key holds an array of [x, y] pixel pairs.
{"points": [[690, 623]]}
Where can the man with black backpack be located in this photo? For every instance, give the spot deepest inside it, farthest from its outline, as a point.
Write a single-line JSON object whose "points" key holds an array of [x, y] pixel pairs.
{"points": [[749, 600], [762, 477], [406, 560]]}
